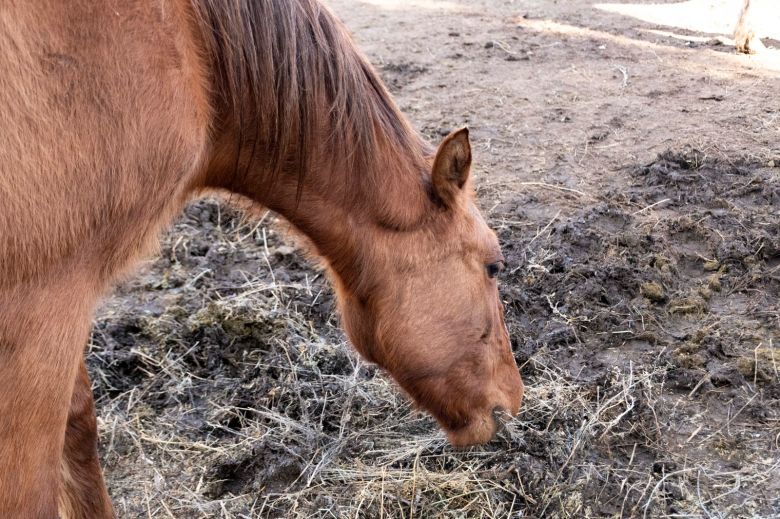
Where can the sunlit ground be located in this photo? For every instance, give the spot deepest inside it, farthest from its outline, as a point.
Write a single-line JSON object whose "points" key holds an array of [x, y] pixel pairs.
{"points": [[417, 4], [709, 17], [691, 21], [706, 16], [768, 60]]}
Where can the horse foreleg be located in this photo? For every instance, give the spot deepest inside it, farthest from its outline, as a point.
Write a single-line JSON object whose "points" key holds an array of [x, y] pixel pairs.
{"points": [[83, 492], [745, 38], [43, 328]]}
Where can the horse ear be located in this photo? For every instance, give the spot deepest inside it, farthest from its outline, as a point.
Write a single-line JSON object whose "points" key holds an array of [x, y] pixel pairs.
{"points": [[451, 166]]}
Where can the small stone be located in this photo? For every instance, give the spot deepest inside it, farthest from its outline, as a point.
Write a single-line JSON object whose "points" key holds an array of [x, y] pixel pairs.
{"points": [[770, 164], [660, 261], [653, 291], [284, 251], [745, 366], [689, 360], [713, 282], [749, 369], [711, 265], [687, 305]]}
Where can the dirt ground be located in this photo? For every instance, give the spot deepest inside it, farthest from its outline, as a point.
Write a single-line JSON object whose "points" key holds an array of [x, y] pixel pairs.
{"points": [[629, 163]]}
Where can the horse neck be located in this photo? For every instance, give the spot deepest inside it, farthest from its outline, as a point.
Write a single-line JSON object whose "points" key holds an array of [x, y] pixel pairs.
{"points": [[306, 127], [343, 211]]}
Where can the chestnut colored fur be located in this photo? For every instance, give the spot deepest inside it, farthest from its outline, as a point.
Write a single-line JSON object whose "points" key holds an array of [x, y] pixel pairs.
{"points": [[114, 114]]}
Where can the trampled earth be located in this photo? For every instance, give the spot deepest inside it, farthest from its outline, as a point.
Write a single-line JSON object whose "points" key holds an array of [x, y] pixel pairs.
{"points": [[629, 161]]}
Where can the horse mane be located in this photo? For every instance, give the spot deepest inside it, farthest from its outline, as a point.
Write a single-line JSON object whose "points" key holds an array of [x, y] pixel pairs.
{"points": [[289, 73]]}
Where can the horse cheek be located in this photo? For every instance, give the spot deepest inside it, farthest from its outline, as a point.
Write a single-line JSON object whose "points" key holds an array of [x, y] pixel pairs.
{"points": [[358, 325]]}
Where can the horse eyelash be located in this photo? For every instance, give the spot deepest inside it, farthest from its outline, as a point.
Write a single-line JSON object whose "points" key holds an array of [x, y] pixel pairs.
{"points": [[494, 269]]}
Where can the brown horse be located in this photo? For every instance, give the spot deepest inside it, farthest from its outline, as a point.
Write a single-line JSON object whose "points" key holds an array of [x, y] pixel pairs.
{"points": [[114, 113]]}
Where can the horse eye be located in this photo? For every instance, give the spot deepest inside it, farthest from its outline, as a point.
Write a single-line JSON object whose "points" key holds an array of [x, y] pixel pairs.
{"points": [[494, 269]]}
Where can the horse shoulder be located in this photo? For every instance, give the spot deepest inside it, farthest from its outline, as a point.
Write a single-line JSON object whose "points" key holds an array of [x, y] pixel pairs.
{"points": [[105, 115]]}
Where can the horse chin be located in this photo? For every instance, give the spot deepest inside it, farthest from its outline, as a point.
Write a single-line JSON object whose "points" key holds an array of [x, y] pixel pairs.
{"points": [[480, 430]]}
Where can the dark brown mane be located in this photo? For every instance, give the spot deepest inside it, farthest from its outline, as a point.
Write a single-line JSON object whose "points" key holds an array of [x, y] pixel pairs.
{"points": [[298, 85]]}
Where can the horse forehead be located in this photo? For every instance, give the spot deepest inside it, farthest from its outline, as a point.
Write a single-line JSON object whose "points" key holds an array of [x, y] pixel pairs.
{"points": [[475, 215], [479, 228]]}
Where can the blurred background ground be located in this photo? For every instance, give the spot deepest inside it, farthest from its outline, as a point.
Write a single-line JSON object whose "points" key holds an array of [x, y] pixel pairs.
{"points": [[628, 160]]}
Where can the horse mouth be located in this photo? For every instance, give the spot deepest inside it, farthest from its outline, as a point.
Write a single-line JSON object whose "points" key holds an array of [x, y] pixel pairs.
{"points": [[500, 417], [480, 430]]}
